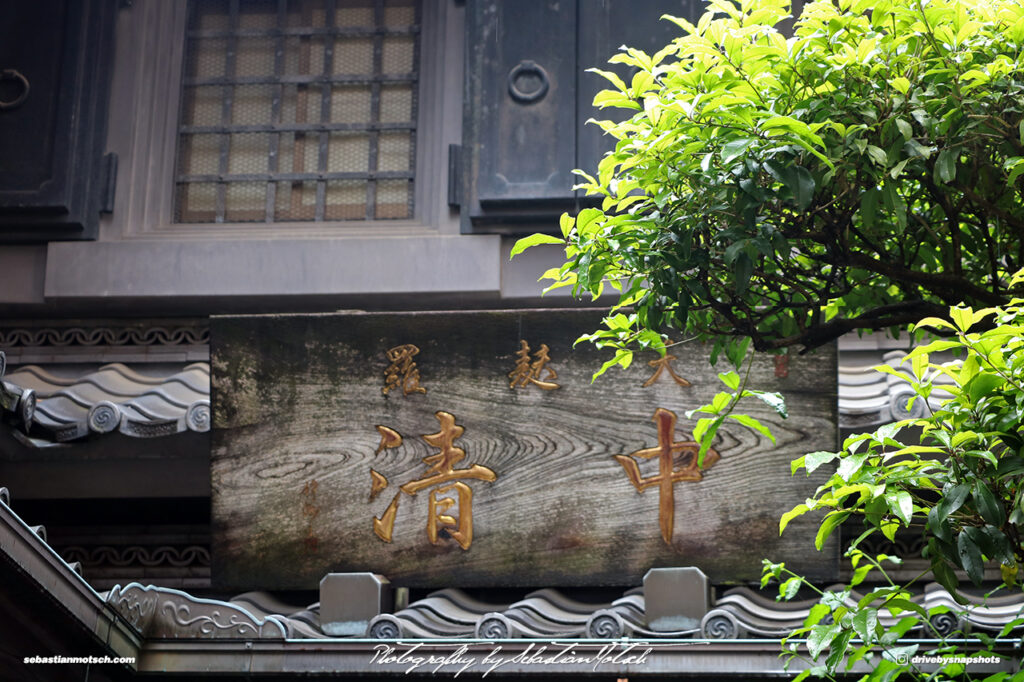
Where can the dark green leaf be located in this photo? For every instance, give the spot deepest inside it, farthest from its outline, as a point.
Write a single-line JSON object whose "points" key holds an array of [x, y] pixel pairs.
{"points": [[970, 558], [951, 501], [736, 350], [945, 166], [743, 268], [916, 149], [802, 186], [1010, 466], [943, 573], [865, 622], [982, 540], [869, 207], [797, 179], [837, 649], [939, 528], [716, 350], [999, 546], [897, 606], [988, 506]]}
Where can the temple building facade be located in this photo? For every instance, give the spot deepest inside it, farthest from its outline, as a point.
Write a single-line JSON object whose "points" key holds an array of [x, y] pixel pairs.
{"points": [[276, 403]]}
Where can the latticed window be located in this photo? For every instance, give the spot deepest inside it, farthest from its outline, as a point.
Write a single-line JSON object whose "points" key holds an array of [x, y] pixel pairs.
{"points": [[298, 110]]}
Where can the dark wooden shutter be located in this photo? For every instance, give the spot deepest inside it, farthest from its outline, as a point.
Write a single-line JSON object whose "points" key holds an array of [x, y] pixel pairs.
{"points": [[521, 91], [528, 96], [55, 62]]}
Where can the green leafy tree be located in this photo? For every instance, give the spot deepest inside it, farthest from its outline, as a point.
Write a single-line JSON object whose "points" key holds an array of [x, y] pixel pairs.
{"points": [[960, 485], [862, 173]]}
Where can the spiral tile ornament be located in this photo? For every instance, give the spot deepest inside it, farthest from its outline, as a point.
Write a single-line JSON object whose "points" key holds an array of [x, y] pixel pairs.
{"points": [[606, 624], [494, 626], [900, 408], [198, 416], [104, 417], [719, 624], [945, 624], [114, 398], [384, 626]]}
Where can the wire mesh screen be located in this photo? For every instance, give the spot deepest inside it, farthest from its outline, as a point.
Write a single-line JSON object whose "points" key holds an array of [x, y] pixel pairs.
{"points": [[298, 110]]}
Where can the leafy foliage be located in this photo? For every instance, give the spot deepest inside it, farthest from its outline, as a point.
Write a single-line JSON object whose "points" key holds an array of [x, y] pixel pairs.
{"points": [[870, 631], [723, 406], [961, 485], [863, 173]]}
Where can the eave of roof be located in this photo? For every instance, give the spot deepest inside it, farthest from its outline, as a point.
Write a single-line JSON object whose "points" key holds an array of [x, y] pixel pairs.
{"points": [[70, 595], [267, 651]]}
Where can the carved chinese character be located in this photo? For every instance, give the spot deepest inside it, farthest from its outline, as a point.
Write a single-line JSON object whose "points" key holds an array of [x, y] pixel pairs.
{"points": [[529, 372], [664, 364], [402, 372], [441, 473], [668, 475], [377, 483], [389, 438]]}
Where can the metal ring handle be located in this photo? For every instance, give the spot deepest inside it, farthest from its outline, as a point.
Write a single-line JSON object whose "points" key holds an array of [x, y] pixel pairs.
{"points": [[14, 75], [528, 67]]}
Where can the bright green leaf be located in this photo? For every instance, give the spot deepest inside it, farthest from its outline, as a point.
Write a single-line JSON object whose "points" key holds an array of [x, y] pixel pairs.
{"points": [[533, 240]]}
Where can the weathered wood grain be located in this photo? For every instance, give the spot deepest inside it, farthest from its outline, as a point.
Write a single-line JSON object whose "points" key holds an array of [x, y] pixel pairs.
{"points": [[296, 403]]}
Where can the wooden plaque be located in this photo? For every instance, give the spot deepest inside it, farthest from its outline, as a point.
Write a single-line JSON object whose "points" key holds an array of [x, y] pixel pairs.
{"points": [[472, 449]]}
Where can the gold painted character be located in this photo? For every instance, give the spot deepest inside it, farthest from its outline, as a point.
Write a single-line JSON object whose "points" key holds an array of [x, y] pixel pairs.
{"points": [[389, 438], [439, 476], [402, 372], [668, 475], [527, 371], [664, 364], [439, 518], [378, 482]]}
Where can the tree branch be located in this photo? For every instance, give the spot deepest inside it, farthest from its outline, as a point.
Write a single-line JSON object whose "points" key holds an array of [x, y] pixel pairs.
{"points": [[934, 282]]}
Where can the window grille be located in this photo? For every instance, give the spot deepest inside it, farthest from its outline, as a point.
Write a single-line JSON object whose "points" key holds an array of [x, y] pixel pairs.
{"points": [[298, 110]]}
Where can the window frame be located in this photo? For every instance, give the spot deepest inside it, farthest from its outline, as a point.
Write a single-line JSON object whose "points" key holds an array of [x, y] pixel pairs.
{"points": [[144, 128], [224, 97]]}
